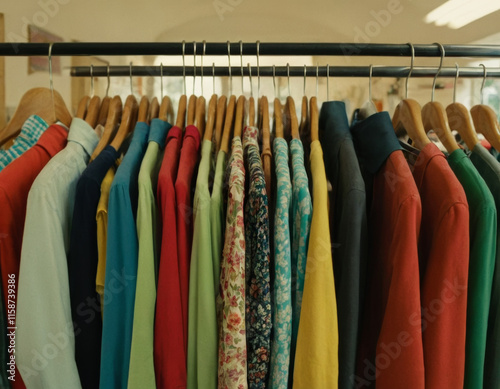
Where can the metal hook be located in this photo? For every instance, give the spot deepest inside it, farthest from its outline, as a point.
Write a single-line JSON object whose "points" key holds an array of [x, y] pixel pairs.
{"points": [[51, 81], [305, 75], [204, 50], [161, 79], [91, 80], [184, 64], [213, 74], [241, 64], [411, 69], [258, 69], [484, 82], [274, 80], [455, 84], [109, 82], [194, 65], [131, 88], [441, 49], [288, 77], [370, 84], [327, 82], [317, 78], [229, 68], [250, 77]]}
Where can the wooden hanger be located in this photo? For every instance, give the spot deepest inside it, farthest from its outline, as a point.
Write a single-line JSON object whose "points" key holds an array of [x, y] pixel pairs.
{"points": [[303, 117], [114, 115], [278, 119], [294, 124], [408, 117], [103, 111], [264, 123], [219, 121], [228, 125], [154, 109], [199, 120], [142, 116], [81, 111], [166, 110], [486, 122], [128, 120], [434, 118], [460, 121], [93, 111], [191, 110], [314, 116], [240, 116], [251, 112], [181, 112], [211, 116]]}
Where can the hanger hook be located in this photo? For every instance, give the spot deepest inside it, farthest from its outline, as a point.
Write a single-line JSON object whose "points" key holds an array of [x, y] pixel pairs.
{"points": [[161, 80], [484, 82], [258, 69], [411, 68], [213, 74], [305, 75], [441, 49], [109, 82], [203, 54], [274, 80], [241, 64], [51, 81], [455, 84], [370, 84], [288, 77], [91, 80], [194, 65], [131, 88], [327, 82], [250, 78], [184, 64], [229, 67], [317, 78]]}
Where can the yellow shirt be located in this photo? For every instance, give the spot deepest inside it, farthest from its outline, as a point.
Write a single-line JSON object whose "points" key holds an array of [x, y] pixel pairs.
{"points": [[316, 359]]}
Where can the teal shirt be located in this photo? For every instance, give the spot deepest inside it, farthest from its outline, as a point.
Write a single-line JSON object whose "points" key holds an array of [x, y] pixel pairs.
{"points": [[489, 168], [483, 236], [141, 370], [121, 265]]}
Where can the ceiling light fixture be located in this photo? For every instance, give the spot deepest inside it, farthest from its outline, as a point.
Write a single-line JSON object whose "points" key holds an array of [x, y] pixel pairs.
{"points": [[458, 13]]}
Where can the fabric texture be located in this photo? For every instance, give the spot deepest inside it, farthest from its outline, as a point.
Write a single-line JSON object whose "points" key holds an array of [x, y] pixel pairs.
{"points": [[121, 264], [282, 304], [489, 169], [232, 332], [392, 313], [348, 232], [82, 268], [316, 360], [141, 369], [44, 321], [169, 354], [258, 291], [15, 183], [31, 131]]}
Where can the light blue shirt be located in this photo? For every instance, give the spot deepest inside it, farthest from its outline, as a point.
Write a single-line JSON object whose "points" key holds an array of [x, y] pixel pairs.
{"points": [[121, 265], [31, 131], [45, 343]]}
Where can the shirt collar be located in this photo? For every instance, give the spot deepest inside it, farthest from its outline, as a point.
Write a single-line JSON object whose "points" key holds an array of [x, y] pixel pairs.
{"points": [[250, 135], [33, 128], [82, 133], [333, 118], [53, 139], [375, 140], [424, 158], [158, 131]]}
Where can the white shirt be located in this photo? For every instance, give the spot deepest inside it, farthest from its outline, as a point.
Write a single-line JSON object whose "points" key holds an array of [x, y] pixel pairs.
{"points": [[45, 344]]}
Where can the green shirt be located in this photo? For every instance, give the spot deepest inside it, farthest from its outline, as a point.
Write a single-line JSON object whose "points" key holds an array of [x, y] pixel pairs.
{"points": [[489, 168], [483, 235], [141, 370]]}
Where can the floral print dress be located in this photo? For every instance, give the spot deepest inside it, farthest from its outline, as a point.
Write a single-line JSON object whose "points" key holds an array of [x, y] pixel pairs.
{"points": [[232, 336], [258, 294]]}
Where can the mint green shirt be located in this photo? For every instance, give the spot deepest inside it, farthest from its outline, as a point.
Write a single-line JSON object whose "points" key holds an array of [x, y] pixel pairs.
{"points": [[141, 370]]}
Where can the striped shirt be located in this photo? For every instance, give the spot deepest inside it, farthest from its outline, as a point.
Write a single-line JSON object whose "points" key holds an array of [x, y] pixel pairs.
{"points": [[32, 129]]}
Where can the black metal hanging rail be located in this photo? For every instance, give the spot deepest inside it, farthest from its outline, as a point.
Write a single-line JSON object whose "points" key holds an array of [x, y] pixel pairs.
{"points": [[281, 71], [265, 48]]}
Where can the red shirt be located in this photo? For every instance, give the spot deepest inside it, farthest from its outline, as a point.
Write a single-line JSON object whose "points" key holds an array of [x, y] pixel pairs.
{"points": [[390, 349], [169, 353], [444, 268], [15, 183], [183, 186]]}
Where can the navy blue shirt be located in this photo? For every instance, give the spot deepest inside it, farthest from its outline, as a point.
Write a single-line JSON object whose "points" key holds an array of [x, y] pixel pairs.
{"points": [[82, 268]]}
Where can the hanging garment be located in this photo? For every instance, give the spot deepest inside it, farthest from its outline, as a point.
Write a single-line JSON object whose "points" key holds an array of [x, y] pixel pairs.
{"points": [[316, 360], [82, 269], [444, 264], [483, 232], [301, 215], [203, 285], [258, 291], [45, 343], [141, 369], [348, 231], [390, 346], [489, 169], [31, 131], [232, 340], [102, 233], [282, 306], [15, 183], [169, 356], [121, 264]]}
